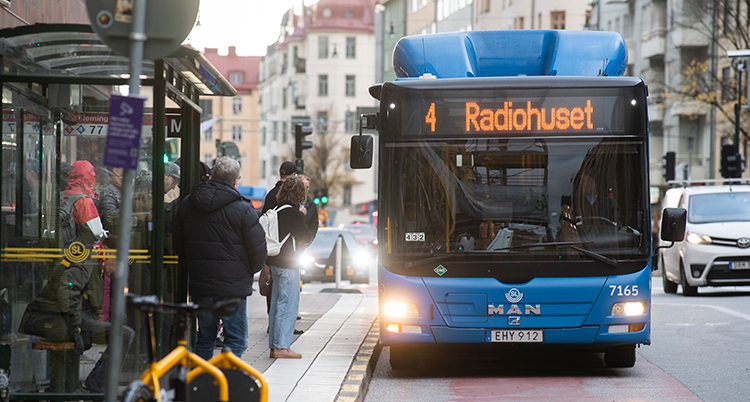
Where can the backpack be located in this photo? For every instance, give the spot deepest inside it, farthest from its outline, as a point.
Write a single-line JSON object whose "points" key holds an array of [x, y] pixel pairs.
{"points": [[270, 223], [68, 228]]}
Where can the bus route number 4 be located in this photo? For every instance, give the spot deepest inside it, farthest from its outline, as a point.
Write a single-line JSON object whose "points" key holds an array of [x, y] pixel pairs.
{"points": [[431, 117]]}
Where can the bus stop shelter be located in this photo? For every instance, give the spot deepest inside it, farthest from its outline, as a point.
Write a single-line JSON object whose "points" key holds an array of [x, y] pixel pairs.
{"points": [[56, 82]]}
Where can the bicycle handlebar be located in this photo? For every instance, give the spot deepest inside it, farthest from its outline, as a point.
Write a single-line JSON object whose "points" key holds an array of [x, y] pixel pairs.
{"points": [[152, 303]]}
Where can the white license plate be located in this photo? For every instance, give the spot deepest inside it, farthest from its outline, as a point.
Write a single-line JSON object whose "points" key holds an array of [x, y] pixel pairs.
{"points": [[512, 336], [739, 265]]}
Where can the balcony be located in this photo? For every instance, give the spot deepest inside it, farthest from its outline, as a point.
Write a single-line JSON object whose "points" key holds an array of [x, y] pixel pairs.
{"points": [[689, 37], [653, 43], [688, 108]]}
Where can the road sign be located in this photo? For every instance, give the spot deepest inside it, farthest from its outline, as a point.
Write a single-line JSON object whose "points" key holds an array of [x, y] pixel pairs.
{"points": [[124, 131], [168, 23]]}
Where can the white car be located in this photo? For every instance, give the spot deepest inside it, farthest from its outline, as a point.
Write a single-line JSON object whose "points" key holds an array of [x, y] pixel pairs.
{"points": [[716, 249]]}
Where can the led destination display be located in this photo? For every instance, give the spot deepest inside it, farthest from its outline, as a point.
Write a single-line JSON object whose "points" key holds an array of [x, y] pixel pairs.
{"points": [[558, 111]]}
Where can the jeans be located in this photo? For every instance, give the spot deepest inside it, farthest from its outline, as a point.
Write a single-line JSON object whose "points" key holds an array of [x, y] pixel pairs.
{"points": [[235, 328], [284, 307]]}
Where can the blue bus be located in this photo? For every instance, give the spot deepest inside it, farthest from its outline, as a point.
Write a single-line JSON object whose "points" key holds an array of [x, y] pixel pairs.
{"points": [[513, 194]]}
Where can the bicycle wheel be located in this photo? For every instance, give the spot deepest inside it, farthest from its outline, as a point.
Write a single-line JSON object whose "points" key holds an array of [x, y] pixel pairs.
{"points": [[138, 391]]}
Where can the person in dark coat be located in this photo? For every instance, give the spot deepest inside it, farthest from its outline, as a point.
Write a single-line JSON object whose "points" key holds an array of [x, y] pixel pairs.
{"points": [[67, 310], [285, 269], [286, 170], [218, 238], [310, 209]]}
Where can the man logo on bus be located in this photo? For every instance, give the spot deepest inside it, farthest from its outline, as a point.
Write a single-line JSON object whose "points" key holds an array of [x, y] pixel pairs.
{"points": [[514, 295]]}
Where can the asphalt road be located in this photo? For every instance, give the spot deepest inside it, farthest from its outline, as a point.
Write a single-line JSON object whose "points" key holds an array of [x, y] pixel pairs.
{"points": [[700, 351]]}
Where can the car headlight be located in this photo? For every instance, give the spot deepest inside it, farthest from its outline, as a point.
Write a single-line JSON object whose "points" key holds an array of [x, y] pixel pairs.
{"points": [[306, 260], [696, 238]]}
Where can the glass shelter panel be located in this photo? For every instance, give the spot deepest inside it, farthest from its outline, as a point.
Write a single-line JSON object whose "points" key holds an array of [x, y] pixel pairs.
{"points": [[60, 219]]}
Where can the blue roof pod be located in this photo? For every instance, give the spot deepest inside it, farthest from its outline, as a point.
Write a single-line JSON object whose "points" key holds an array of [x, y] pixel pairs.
{"points": [[511, 53]]}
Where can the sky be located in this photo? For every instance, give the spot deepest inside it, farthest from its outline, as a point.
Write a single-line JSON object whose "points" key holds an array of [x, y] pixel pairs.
{"points": [[250, 25]]}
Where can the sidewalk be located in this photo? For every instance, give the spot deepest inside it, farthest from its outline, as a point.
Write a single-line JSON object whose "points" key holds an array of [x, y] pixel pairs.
{"points": [[336, 349]]}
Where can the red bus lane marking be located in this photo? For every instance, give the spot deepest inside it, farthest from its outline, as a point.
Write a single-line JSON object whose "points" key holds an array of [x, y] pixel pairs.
{"points": [[644, 382]]}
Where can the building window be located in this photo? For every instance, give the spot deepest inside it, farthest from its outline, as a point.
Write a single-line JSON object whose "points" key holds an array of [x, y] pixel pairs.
{"points": [[350, 83], [351, 48], [208, 135], [274, 162], [263, 136], [235, 77], [350, 122], [557, 20], [323, 85], [208, 159], [726, 84], [283, 98], [519, 23], [323, 122], [283, 132], [276, 131], [206, 106], [236, 133], [262, 169], [347, 201], [236, 106], [322, 47], [349, 13], [485, 6]]}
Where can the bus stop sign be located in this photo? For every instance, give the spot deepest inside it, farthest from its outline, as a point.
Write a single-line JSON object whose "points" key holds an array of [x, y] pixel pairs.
{"points": [[168, 23]]}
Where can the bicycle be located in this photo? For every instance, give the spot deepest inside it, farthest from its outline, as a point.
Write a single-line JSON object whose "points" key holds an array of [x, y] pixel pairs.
{"points": [[182, 375]]}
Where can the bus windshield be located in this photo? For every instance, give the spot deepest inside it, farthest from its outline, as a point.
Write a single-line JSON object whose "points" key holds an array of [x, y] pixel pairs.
{"points": [[516, 199]]}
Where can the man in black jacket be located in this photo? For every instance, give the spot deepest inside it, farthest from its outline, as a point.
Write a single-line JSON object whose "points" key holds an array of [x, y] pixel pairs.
{"points": [[218, 237]]}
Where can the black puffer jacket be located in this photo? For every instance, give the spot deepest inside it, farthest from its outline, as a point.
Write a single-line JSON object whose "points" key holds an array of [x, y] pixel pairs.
{"points": [[217, 235]]}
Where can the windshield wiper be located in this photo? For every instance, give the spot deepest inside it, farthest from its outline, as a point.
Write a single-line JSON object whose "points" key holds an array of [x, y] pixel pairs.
{"points": [[571, 244], [436, 258]]}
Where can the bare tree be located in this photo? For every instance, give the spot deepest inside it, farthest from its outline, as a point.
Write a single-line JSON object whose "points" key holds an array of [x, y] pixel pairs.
{"points": [[324, 162], [704, 81]]}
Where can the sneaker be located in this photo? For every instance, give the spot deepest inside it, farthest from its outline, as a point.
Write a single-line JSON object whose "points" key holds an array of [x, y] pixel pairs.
{"points": [[285, 354], [298, 332]]}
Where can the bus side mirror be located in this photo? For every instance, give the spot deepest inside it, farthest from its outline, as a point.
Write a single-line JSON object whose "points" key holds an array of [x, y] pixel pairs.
{"points": [[673, 222], [361, 152]]}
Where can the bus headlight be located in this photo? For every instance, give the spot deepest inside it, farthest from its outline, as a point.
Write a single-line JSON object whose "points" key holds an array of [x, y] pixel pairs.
{"points": [[400, 309], [629, 308]]}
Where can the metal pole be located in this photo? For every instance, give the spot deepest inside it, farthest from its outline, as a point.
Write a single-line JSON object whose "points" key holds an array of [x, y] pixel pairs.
{"points": [[337, 268], [137, 39], [737, 109]]}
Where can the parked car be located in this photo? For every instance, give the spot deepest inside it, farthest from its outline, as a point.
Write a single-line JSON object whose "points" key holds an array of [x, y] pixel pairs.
{"points": [[365, 233], [320, 258], [716, 249]]}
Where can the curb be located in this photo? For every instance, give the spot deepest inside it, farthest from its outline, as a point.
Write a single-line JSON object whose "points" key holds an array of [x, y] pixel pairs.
{"points": [[354, 387]]}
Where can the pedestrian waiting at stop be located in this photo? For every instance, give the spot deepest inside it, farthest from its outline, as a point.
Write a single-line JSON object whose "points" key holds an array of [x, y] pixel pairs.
{"points": [[217, 235], [285, 269]]}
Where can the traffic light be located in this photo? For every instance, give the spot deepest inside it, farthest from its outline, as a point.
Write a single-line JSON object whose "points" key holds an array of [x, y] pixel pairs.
{"points": [[301, 144], [320, 197], [732, 164], [669, 166]]}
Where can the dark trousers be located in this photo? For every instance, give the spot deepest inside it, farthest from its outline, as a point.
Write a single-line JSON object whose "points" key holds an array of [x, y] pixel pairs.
{"points": [[269, 293], [55, 328]]}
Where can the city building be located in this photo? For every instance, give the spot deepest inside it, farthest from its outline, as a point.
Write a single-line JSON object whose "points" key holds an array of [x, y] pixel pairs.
{"points": [[318, 73], [231, 123], [17, 13], [680, 50]]}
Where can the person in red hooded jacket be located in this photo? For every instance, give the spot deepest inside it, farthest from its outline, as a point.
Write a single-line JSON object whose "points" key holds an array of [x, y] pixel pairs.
{"points": [[81, 182]]}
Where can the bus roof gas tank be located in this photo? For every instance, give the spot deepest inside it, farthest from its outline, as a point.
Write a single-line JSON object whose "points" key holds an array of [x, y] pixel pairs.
{"points": [[511, 53]]}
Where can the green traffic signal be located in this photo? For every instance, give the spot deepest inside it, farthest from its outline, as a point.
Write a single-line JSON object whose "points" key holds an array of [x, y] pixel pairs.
{"points": [[324, 200], [316, 201], [166, 158]]}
